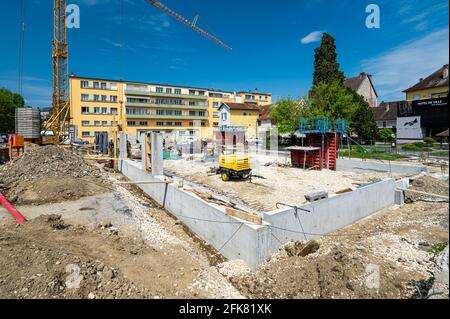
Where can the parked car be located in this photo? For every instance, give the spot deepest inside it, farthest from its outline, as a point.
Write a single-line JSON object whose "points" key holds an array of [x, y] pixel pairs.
{"points": [[79, 141]]}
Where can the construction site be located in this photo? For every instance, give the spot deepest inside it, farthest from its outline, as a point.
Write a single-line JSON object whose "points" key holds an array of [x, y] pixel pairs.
{"points": [[156, 216]]}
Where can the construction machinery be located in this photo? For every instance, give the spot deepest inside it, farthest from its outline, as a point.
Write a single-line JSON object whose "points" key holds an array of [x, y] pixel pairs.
{"points": [[191, 24], [57, 128], [234, 166]]}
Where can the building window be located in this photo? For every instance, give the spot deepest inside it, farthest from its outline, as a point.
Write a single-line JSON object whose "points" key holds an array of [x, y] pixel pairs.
{"points": [[114, 110], [215, 124], [160, 112], [85, 109], [104, 123], [85, 134], [201, 113], [216, 115], [96, 110], [216, 104], [177, 91], [97, 123], [84, 123], [96, 98], [203, 124], [224, 116], [96, 85], [103, 98], [113, 98], [131, 123], [169, 112], [191, 103], [143, 123], [159, 123], [201, 93], [416, 97], [159, 90], [192, 113], [113, 86], [191, 92], [84, 84], [103, 86], [104, 110], [178, 113], [177, 123], [168, 90], [84, 97]]}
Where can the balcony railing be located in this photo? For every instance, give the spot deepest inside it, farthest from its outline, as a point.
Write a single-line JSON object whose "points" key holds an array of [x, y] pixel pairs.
{"points": [[156, 116], [172, 106], [163, 94]]}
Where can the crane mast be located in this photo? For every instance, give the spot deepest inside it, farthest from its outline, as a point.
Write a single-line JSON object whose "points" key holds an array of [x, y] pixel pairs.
{"points": [[190, 24], [59, 122]]}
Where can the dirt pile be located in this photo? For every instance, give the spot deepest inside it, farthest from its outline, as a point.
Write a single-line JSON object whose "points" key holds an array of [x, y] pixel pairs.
{"points": [[49, 174], [334, 274], [427, 184]]}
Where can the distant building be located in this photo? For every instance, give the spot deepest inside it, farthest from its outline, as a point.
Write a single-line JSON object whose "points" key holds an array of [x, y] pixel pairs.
{"points": [[265, 122], [101, 105], [434, 86], [386, 114], [428, 99], [240, 115], [363, 85]]}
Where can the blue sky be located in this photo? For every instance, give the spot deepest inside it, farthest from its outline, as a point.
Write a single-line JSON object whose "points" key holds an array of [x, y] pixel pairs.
{"points": [[273, 43]]}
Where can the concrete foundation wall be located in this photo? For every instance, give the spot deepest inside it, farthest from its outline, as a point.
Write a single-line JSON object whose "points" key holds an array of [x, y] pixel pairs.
{"points": [[330, 214], [236, 239]]}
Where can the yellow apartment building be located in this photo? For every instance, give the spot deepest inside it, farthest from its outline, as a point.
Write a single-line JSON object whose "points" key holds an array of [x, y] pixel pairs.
{"points": [[95, 106], [260, 99], [434, 86], [179, 112]]}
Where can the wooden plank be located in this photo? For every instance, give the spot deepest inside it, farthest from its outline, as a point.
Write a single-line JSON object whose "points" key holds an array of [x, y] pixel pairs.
{"points": [[345, 190], [243, 215]]}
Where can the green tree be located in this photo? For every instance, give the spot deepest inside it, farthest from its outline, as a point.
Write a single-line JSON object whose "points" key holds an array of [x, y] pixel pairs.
{"points": [[333, 100], [326, 67], [286, 113], [385, 135], [362, 121], [9, 102]]}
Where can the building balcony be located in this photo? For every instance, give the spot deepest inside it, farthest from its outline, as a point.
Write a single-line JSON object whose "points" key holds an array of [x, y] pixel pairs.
{"points": [[171, 95], [166, 117], [171, 106]]}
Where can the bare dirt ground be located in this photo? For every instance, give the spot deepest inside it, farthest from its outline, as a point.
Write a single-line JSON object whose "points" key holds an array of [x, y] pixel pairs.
{"points": [[280, 183], [400, 242], [115, 242]]}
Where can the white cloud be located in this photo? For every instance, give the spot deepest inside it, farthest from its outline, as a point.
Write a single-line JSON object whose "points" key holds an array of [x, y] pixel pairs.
{"points": [[403, 66], [314, 36]]}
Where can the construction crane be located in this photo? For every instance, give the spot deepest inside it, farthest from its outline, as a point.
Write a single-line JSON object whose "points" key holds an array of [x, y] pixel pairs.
{"points": [[59, 122], [190, 24]]}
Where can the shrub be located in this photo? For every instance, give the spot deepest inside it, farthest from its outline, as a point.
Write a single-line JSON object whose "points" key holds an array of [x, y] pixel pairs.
{"points": [[411, 147], [419, 144], [429, 140]]}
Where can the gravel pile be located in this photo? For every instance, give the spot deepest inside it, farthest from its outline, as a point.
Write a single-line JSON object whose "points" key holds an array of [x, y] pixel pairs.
{"points": [[41, 167]]}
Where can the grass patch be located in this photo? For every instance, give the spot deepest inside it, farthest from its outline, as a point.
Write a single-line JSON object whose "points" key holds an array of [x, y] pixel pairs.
{"points": [[437, 248], [378, 154], [440, 153]]}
